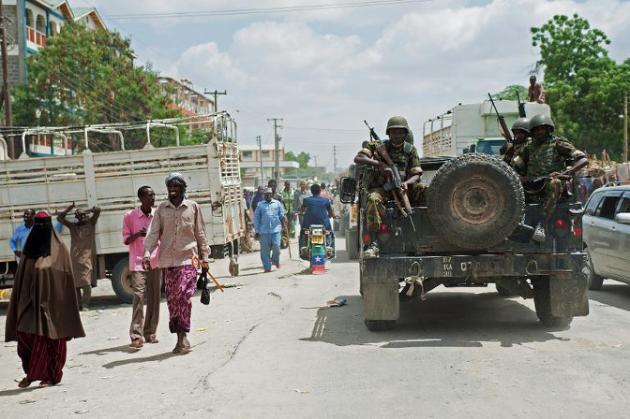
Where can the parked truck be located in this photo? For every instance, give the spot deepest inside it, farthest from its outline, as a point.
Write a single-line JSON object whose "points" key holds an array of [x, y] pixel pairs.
{"points": [[110, 180], [463, 126]]}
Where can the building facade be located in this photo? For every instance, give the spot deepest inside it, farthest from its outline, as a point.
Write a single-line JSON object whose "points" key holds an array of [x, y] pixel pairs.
{"points": [[251, 157], [186, 99], [31, 23]]}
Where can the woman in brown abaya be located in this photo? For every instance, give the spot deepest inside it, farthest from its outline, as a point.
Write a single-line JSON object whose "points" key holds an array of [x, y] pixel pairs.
{"points": [[43, 313]]}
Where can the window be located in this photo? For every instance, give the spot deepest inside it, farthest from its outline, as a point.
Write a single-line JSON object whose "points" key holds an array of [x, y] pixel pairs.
{"points": [[247, 155], [625, 204], [54, 29], [29, 18], [40, 24], [607, 207], [592, 204], [266, 154]]}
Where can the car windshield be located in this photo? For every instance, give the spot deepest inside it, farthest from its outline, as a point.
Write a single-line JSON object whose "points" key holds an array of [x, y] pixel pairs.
{"points": [[490, 146]]}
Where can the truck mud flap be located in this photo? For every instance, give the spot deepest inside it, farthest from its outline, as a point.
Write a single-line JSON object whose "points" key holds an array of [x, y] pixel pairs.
{"points": [[568, 291], [380, 297]]}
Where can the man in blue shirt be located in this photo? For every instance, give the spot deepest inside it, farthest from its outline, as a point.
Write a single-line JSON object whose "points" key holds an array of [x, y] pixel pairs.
{"points": [[316, 210], [269, 219], [21, 234]]}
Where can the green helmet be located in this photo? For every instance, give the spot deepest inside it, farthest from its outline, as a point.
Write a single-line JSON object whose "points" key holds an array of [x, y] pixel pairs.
{"points": [[542, 120], [397, 122], [521, 124]]}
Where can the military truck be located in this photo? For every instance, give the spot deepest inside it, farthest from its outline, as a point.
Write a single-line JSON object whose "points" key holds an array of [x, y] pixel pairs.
{"points": [[474, 229]]}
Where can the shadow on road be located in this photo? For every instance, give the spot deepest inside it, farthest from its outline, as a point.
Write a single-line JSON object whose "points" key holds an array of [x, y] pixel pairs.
{"points": [[105, 351], [158, 357], [18, 391], [613, 293], [443, 320], [342, 257]]}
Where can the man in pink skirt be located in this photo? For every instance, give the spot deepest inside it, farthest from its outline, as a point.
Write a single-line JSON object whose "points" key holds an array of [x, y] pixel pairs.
{"points": [[179, 228]]}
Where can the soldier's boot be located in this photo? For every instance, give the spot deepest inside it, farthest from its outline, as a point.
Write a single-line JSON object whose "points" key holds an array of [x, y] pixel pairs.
{"points": [[539, 234]]}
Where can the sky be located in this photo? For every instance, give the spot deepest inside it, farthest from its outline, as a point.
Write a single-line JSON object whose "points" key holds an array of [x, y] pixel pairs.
{"points": [[326, 71]]}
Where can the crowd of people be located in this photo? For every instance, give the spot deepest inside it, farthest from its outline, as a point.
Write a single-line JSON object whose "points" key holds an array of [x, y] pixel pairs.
{"points": [[53, 283], [276, 215]]}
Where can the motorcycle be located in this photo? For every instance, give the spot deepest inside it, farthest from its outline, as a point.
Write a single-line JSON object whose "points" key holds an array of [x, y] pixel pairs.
{"points": [[318, 248]]}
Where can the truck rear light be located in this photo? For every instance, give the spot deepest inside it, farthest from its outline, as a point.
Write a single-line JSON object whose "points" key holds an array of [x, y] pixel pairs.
{"points": [[577, 232], [383, 229], [561, 224], [367, 238]]}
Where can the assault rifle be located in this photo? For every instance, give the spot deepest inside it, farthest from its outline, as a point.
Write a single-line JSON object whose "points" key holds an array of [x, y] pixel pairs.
{"points": [[521, 106], [373, 133], [536, 185], [507, 134], [394, 184]]}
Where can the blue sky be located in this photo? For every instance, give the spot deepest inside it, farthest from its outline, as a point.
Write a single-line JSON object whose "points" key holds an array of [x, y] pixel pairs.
{"points": [[326, 71]]}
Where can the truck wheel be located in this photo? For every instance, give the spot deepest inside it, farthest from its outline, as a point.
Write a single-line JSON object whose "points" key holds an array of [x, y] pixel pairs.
{"points": [[475, 201], [351, 244], [379, 325], [542, 301], [595, 282], [121, 281]]}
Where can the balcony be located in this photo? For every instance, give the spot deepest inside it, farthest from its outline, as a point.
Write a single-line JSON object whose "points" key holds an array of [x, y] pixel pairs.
{"points": [[34, 38]]}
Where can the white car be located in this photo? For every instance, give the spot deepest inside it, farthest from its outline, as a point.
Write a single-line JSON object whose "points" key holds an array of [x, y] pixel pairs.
{"points": [[606, 234]]}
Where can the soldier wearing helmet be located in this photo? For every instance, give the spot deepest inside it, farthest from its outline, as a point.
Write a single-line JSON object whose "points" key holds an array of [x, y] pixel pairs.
{"points": [[547, 160], [405, 157], [520, 131]]}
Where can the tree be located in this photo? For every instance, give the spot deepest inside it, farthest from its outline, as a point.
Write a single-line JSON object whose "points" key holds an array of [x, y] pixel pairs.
{"points": [[87, 77], [584, 86], [303, 158], [512, 92]]}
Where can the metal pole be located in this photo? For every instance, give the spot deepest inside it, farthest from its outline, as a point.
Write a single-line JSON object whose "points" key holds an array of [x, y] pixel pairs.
{"points": [[277, 147], [8, 114], [262, 174], [625, 128], [215, 94]]}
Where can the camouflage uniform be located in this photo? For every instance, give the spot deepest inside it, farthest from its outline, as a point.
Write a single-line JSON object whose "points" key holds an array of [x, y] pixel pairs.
{"points": [[547, 157], [513, 150], [408, 162]]}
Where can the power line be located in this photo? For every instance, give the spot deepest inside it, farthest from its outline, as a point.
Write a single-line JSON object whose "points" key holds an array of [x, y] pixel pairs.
{"points": [[265, 10]]}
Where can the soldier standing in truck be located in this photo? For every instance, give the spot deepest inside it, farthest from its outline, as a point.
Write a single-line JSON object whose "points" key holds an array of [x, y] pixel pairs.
{"points": [[544, 161], [535, 92], [520, 130], [405, 157]]}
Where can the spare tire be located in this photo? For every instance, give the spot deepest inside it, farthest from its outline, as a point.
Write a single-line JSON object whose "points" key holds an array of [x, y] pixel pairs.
{"points": [[475, 201]]}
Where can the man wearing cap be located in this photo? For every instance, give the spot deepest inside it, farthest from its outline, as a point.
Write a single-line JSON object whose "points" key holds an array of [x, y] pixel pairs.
{"points": [[269, 219], [179, 228]]}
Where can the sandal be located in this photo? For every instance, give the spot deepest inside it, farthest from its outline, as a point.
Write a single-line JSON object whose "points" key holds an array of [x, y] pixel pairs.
{"points": [[24, 382]]}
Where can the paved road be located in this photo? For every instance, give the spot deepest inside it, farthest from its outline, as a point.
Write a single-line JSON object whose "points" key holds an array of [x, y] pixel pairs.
{"points": [[269, 348]]}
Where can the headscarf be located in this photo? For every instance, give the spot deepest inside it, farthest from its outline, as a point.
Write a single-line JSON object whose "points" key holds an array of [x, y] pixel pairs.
{"points": [[176, 177], [38, 242]]}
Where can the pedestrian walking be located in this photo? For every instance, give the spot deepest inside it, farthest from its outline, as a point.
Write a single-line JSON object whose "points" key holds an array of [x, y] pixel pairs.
{"points": [[298, 200], [260, 196], [82, 246], [179, 228], [287, 201], [21, 234], [269, 219], [135, 226], [43, 313]]}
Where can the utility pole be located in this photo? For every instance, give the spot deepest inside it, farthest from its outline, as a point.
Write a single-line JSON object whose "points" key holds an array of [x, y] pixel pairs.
{"points": [[277, 148], [625, 127], [315, 158], [215, 93], [334, 159], [6, 88], [262, 176]]}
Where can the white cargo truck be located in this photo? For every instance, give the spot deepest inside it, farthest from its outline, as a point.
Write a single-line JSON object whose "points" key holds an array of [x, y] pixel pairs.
{"points": [[450, 133], [110, 180]]}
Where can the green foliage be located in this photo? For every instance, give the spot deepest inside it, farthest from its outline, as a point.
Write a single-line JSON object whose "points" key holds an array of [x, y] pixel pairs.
{"points": [[585, 87], [512, 92], [88, 77], [302, 158]]}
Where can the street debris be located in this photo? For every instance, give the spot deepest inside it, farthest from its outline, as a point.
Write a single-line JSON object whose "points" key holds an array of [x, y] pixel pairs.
{"points": [[201, 329], [297, 390], [337, 302]]}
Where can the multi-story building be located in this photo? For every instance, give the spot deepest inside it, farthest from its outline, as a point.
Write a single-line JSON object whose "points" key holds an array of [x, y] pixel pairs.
{"points": [[251, 156], [31, 23], [186, 99]]}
